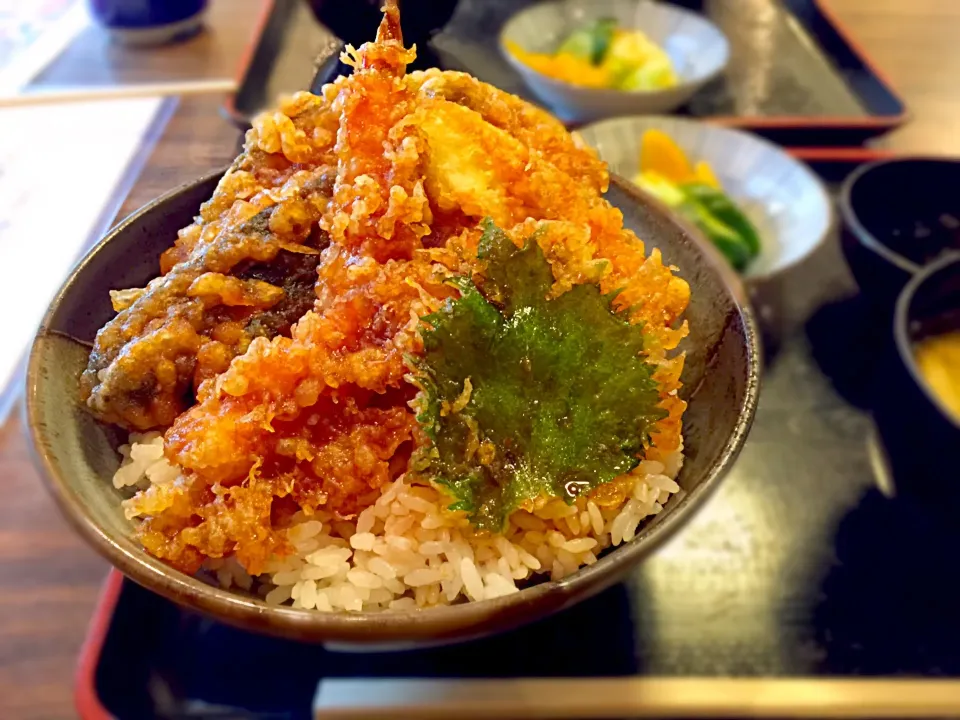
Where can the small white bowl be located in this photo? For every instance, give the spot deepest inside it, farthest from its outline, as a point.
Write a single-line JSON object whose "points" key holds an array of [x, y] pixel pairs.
{"points": [[698, 49], [785, 200]]}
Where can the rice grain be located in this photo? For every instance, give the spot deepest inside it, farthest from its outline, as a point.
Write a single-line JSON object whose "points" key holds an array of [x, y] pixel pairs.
{"points": [[416, 578], [308, 594], [362, 541], [471, 579]]}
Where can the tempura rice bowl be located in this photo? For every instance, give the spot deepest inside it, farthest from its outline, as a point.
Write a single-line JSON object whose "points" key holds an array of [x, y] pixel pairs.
{"points": [[79, 456]]}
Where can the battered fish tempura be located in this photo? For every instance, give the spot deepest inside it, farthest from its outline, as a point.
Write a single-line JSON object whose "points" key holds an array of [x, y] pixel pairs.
{"points": [[386, 181], [244, 269]]}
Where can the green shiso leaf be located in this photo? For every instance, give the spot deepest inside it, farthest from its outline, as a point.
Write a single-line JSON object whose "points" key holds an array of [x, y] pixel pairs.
{"points": [[560, 397]]}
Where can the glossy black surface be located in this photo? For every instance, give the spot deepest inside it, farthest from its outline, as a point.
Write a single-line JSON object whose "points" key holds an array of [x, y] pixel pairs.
{"points": [[898, 216], [801, 564], [788, 62], [291, 49], [299, 46]]}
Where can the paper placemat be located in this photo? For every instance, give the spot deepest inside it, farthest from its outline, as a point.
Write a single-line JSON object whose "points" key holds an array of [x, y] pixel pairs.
{"points": [[62, 171], [33, 34]]}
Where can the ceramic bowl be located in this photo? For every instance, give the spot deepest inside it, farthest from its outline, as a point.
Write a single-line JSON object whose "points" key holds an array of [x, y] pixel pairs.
{"points": [[783, 198], [698, 49], [921, 436], [78, 455], [148, 22], [898, 215]]}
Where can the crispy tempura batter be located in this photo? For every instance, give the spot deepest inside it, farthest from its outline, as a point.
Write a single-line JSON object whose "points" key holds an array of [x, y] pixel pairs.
{"points": [[321, 418], [245, 268]]}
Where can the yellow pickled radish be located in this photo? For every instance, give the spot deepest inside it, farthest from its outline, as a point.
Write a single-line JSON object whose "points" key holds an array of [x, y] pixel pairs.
{"points": [[562, 66], [704, 173], [660, 154]]}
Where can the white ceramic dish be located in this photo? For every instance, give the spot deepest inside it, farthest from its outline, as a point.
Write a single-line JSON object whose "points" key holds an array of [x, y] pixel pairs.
{"points": [[784, 199], [698, 49]]}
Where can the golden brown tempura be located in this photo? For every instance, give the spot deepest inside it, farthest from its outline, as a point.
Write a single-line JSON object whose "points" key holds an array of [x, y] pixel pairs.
{"points": [[321, 418], [245, 268]]}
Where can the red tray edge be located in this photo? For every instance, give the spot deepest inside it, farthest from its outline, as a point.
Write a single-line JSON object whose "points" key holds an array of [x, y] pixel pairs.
{"points": [[827, 121], [85, 696], [841, 154]]}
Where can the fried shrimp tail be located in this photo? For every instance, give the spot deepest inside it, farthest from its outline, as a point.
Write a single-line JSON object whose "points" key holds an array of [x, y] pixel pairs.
{"points": [[389, 30]]}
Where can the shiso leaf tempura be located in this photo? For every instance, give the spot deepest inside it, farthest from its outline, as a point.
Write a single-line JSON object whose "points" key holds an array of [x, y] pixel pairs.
{"points": [[407, 355], [528, 396]]}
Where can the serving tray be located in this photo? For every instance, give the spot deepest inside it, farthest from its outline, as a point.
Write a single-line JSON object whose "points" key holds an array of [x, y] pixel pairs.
{"points": [[796, 75], [799, 590]]}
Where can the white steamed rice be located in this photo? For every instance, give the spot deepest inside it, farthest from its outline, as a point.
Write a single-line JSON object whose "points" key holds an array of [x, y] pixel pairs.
{"points": [[408, 551]]}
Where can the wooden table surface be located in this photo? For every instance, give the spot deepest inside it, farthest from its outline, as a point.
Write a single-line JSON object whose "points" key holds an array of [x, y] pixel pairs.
{"points": [[49, 579]]}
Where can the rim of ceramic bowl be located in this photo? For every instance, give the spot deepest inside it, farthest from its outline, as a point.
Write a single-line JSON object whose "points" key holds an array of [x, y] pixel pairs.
{"points": [[454, 622], [687, 84], [744, 136], [852, 219], [901, 328]]}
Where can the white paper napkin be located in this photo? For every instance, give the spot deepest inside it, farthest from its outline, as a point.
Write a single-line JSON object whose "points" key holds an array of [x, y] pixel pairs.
{"points": [[62, 169]]}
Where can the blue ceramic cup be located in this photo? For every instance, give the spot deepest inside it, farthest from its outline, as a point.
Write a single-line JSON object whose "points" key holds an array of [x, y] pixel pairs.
{"points": [[148, 21]]}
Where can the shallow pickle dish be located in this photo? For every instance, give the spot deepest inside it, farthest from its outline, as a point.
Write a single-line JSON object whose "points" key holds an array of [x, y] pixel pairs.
{"points": [[77, 455], [698, 49], [786, 201]]}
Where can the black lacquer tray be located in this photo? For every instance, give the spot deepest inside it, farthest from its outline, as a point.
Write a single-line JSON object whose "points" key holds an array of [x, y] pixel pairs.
{"points": [[804, 566], [796, 75]]}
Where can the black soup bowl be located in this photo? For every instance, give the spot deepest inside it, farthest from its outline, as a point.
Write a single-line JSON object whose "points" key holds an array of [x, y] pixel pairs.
{"points": [[899, 215], [920, 434]]}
